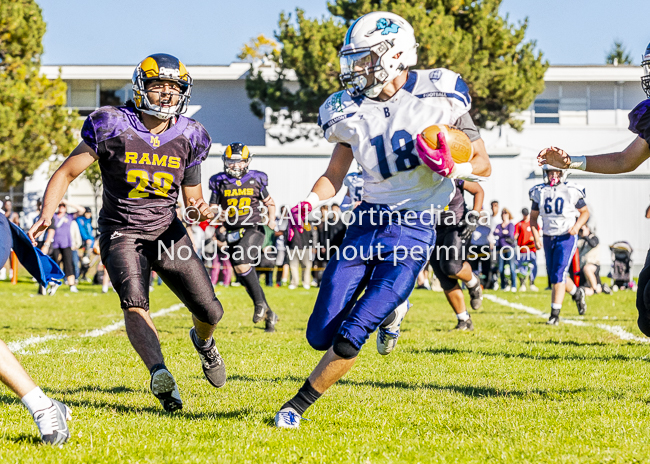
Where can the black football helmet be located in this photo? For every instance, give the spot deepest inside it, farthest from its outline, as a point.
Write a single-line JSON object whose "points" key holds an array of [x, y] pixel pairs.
{"points": [[161, 67], [236, 159]]}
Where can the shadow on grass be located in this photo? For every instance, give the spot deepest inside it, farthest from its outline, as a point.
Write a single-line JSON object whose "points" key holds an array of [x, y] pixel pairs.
{"points": [[25, 439], [467, 390], [93, 388], [531, 356]]}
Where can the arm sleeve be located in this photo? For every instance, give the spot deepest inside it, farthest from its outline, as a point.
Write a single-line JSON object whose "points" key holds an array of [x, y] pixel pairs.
{"points": [[640, 120], [200, 142], [192, 176], [581, 203], [535, 206], [264, 193], [592, 240], [466, 124]]}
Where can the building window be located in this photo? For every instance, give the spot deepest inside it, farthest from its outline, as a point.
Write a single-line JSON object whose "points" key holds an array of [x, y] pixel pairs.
{"points": [[547, 111], [114, 93], [82, 96]]}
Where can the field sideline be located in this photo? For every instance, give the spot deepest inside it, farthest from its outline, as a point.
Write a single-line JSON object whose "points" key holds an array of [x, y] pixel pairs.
{"points": [[514, 390]]}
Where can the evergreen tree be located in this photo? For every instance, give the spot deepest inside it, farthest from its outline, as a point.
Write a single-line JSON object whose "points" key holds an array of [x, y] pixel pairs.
{"points": [[33, 121], [618, 55], [470, 37]]}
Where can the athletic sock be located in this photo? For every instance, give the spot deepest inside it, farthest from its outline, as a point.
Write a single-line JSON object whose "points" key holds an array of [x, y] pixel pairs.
{"points": [[389, 320], [463, 316], [306, 396], [199, 341], [473, 282], [251, 283], [36, 400], [573, 292], [555, 309]]}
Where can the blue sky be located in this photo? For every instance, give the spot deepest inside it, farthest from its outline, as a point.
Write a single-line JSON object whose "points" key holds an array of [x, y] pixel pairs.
{"points": [[212, 32]]}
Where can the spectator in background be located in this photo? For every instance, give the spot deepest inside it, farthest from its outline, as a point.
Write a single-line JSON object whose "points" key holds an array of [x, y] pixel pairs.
{"points": [[505, 244], [85, 223], [300, 252], [58, 242], [282, 259], [221, 268], [492, 275], [10, 214], [527, 264], [589, 251]]}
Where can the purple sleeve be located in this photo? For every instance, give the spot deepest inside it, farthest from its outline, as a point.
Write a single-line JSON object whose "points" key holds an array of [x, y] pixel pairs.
{"points": [[88, 133], [640, 120], [511, 229], [200, 141]]}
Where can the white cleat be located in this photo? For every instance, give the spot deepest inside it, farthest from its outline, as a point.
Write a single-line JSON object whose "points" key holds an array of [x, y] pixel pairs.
{"points": [[287, 418], [387, 336], [52, 423]]}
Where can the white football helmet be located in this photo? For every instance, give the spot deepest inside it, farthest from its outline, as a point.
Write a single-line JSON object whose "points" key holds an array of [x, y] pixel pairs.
{"points": [[551, 180], [377, 48]]}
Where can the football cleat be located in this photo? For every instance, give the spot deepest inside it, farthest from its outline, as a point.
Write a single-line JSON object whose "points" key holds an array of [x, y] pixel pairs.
{"points": [[271, 320], [464, 325], [553, 320], [52, 425], [212, 363], [475, 296], [259, 312], [287, 418], [387, 336], [163, 386], [581, 301]]}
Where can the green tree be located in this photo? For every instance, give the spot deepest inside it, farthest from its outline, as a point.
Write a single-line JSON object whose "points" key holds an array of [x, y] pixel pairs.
{"points": [[503, 71], [34, 124], [618, 55]]}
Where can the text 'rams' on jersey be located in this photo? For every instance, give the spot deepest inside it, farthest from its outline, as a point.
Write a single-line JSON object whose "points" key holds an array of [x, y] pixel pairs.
{"points": [[241, 198], [382, 137], [558, 206], [142, 172]]}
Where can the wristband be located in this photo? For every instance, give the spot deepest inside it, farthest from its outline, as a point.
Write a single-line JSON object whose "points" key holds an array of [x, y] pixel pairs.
{"points": [[313, 199], [578, 162], [461, 170]]}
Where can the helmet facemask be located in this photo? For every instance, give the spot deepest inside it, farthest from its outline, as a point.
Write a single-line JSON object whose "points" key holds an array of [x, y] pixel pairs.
{"points": [[645, 79], [554, 179], [166, 97], [362, 72], [236, 168]]}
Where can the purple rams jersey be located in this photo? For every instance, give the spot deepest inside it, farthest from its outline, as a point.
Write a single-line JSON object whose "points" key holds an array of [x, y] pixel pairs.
{"points": [[241, 198], [640, 120], [141, 172]]}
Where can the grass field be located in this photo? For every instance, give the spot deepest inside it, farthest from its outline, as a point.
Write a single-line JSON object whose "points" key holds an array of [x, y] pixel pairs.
{"points": [[514, 390]]}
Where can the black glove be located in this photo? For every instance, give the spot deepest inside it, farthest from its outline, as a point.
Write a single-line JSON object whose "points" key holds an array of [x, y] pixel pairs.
{"points": [[468, 225]]}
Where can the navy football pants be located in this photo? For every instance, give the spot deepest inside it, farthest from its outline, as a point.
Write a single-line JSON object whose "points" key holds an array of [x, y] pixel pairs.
{"points": [[386, 277]]}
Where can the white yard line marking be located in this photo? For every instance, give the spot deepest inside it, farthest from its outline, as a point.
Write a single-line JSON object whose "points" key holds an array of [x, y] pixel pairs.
{"points": [[617, 330], [19, 345]]}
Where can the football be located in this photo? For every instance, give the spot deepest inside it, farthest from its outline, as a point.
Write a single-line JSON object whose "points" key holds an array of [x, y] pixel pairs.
{"points": [[459, 143]]}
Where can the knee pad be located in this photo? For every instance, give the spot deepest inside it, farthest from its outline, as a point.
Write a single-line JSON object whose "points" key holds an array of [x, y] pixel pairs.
{"points": [[210, 313], [344, 347], [451, 267]]}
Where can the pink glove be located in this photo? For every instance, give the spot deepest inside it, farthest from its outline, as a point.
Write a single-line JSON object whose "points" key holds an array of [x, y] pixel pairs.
{"points": [[299, 215], [439, 160]]}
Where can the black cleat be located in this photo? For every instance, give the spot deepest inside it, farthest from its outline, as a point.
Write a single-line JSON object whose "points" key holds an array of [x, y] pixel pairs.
{"points": [[475, 296], [163, 386], [259, 312], [553, 320], [464, 325], [271, 320], [581, 301], [211, 361]]}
